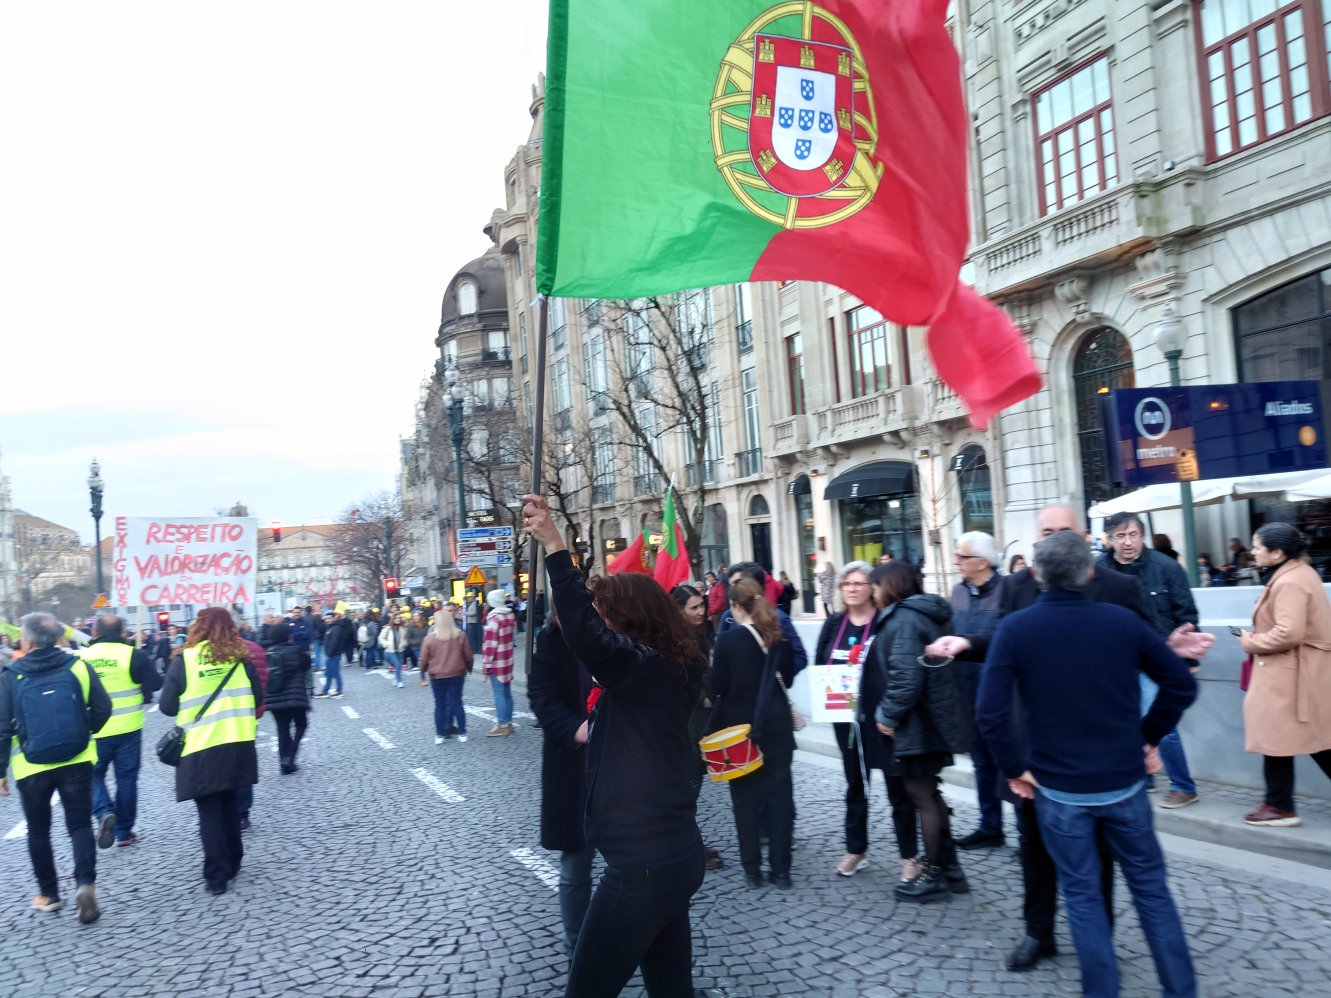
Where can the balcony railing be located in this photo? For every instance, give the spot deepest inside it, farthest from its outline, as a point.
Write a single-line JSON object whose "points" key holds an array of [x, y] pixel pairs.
{"points": [[604, 491], [749, 462], [691, 474], [744, 332], [647, 485], [501, 356]]}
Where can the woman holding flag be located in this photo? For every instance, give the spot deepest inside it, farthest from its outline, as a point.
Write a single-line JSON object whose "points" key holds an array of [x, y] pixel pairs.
{"points": [[641, 806]]}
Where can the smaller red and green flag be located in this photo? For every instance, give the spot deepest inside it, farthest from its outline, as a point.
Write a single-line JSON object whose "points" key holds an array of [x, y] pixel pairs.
{"points": [[636, 557], [672, 561]]}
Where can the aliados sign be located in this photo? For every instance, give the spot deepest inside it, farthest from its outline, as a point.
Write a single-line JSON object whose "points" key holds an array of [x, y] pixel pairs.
{"points": [[1158, 435]]}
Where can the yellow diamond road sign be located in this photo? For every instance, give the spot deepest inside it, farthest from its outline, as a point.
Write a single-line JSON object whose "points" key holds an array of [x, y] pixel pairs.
{"points": [[101, 602], [475, 577]]}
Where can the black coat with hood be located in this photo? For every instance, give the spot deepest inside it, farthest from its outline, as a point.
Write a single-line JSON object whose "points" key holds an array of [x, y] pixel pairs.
{"points": [[558, 687], [929, 708]]}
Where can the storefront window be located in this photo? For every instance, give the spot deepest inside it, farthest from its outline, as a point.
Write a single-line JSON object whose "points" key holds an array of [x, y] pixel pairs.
{"points": [[715, 538], [974, 489], [878, 524], [1282, 335]]}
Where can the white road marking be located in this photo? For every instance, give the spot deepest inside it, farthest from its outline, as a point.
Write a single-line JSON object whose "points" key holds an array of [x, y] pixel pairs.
{"points": [[19, 831], [477, 712], [438, 786], [545, 870], [377, 738], [151, 708], [386, 675], [350, 712]]}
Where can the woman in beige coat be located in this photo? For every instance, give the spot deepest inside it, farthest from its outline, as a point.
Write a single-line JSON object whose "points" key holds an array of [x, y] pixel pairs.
{"points": [[1288, 708]]}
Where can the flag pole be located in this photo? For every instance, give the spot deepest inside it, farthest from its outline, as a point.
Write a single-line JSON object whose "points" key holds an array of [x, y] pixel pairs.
{"points": [[537, 458]]}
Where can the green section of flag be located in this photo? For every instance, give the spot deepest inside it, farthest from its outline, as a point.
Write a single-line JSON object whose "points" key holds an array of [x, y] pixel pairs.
{"points": [[632, 201], [670, 545]]}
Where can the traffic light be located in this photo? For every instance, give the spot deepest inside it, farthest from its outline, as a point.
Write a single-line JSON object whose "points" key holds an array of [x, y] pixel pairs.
{"points": [[163, 620], [277, 532], [390, 588]]}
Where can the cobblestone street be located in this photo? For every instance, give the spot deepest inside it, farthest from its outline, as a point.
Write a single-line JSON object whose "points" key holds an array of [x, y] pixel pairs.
{"points": [[391, 866]]}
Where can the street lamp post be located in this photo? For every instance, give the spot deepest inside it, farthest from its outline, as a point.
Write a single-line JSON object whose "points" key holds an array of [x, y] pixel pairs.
{"points": [[95, 490], [1169, 339], [453, 399]]}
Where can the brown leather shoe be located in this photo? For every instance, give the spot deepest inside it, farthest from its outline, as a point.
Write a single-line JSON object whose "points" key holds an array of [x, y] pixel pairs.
{"points": [[1272, 817]]}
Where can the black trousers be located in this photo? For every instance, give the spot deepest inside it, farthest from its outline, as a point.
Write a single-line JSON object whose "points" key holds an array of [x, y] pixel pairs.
{"points": [[857, 802], [219, 830], [638, 917], [290, 723], [75, 786], [766, 789], [1279, 773], [1040, 878]]}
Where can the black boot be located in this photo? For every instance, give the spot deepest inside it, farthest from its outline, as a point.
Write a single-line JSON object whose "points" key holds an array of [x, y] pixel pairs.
{"points": [[930, 885], [956, 878]]}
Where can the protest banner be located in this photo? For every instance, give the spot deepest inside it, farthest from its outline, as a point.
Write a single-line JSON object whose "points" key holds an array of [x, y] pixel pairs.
{"points": [[834, 689], [198, 560]]}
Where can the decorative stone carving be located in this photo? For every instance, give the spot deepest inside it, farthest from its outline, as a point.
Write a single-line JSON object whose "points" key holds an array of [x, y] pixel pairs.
{"points": [[1074, 291], [1021, 310], [1160, 277]]}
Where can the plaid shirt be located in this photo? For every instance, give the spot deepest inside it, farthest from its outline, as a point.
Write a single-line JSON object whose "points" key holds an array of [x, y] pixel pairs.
{"points": [[497, 648]]}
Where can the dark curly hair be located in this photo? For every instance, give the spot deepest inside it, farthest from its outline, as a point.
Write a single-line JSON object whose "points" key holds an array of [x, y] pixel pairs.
{"points": [[635, 605]]}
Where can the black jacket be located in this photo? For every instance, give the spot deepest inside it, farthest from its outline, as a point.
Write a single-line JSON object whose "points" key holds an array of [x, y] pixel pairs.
{"points": [[340, 638], [1106, 586], [930, 709], [294, 693], [870, 692], [558, 687], [739, 671], [640, 763], [1164, 588], [45, 660], [222, 767]]}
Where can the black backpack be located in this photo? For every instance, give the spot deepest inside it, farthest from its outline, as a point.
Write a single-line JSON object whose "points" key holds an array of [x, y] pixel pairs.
{"points": [[51, 712]]}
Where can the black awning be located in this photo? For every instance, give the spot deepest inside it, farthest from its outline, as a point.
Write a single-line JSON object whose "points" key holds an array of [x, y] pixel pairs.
{"points": [[881, 478], [800, 486]]}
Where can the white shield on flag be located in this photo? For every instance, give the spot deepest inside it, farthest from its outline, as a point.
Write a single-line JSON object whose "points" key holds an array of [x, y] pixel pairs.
{"points": [[804, 133]]}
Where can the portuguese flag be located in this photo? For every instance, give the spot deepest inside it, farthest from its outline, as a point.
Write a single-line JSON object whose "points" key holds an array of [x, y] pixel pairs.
{"points": [[690, 143], [672, 561], [634, 558]]}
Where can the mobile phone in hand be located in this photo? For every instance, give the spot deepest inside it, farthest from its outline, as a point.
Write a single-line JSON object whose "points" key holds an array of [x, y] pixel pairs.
{"points": [[1236, 631]]}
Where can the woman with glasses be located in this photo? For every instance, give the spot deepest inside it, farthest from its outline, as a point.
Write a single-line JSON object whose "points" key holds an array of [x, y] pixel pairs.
{"points": [[844, 639]]}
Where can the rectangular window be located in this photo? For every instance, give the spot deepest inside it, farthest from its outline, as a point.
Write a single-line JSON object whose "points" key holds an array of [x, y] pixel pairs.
{"points": [[867, 342], [1264, 69], [795, 372], [594, 368], [558, 323], [715, 444], [560, 395], [603, 466], [496, 345], [744, 317], [1074, 136], [522, 339], [750, 460]]}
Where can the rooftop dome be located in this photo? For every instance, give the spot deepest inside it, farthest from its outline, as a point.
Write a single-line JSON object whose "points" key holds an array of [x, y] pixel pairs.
{"points": [[476, 289]]}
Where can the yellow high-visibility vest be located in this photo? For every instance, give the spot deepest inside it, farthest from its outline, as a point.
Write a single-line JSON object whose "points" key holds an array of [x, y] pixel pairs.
{"points": [[111, 660], [230, 716], [19, 762]]}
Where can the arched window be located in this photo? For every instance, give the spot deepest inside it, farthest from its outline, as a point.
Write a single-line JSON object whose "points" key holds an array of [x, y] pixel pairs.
{"points": [[1102, 364], [467, 298], [758, 507], [974, 489]]}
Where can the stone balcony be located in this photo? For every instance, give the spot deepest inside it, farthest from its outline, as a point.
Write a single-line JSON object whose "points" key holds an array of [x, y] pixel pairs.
{"points": [[865, 418]]}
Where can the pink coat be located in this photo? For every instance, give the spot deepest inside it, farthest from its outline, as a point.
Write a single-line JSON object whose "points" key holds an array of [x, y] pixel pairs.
{"points": [[1288, 707]]}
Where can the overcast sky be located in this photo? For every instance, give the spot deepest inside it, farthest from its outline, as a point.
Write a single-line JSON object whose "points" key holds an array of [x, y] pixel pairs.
{"points": [[225, 233]]}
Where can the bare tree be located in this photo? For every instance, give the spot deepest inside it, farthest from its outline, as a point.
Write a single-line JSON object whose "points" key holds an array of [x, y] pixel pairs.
{"points": [[658, 385], [370, 543]]}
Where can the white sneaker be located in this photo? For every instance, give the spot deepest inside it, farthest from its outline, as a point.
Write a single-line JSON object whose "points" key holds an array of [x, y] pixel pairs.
{"points": [[439, 739], [399, 685], [462, 738]]}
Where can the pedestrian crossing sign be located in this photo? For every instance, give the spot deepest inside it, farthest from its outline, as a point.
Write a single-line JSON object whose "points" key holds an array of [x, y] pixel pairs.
{"points": [[101, 602], [475, 577]]}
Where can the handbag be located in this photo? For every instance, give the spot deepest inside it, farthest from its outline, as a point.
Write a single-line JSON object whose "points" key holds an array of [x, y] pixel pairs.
{"points": [[1245, 673], [171, 746], [797, 721]]}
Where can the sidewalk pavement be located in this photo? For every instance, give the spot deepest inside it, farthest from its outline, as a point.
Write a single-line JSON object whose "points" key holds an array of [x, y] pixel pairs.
{"points": [[1216, 817]]}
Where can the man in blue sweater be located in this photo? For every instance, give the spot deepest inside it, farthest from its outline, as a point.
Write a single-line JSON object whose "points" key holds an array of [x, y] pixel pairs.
{"points": [[1073, 664]]}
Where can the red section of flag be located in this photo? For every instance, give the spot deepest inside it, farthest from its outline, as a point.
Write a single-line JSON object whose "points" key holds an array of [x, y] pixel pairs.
{"points": [[634, 558], [902, 253]]}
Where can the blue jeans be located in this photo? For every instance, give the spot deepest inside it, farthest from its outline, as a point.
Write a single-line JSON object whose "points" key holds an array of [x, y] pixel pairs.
{"points": [[575, 893], [332, 672], [448, 705], [394, 660], [986, 788], [475, 636], [503, 701], [1171, 746], [317, 654], [1069, 833], [371, 656], [122, 752]]}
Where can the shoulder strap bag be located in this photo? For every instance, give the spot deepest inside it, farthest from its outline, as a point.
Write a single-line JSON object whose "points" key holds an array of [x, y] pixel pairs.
{"points": [[171, 745]]}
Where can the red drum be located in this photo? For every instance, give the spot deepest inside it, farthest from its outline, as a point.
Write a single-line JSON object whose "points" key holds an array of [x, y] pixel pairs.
{"points": [[730, 753]]}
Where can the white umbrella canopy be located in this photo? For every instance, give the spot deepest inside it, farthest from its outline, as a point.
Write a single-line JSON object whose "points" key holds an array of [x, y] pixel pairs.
{"points": [[1317, 488], [1214, 490]]}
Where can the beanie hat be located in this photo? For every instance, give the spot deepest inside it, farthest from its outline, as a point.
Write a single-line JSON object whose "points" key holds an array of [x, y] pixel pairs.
{"points": [[497, 598]]}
